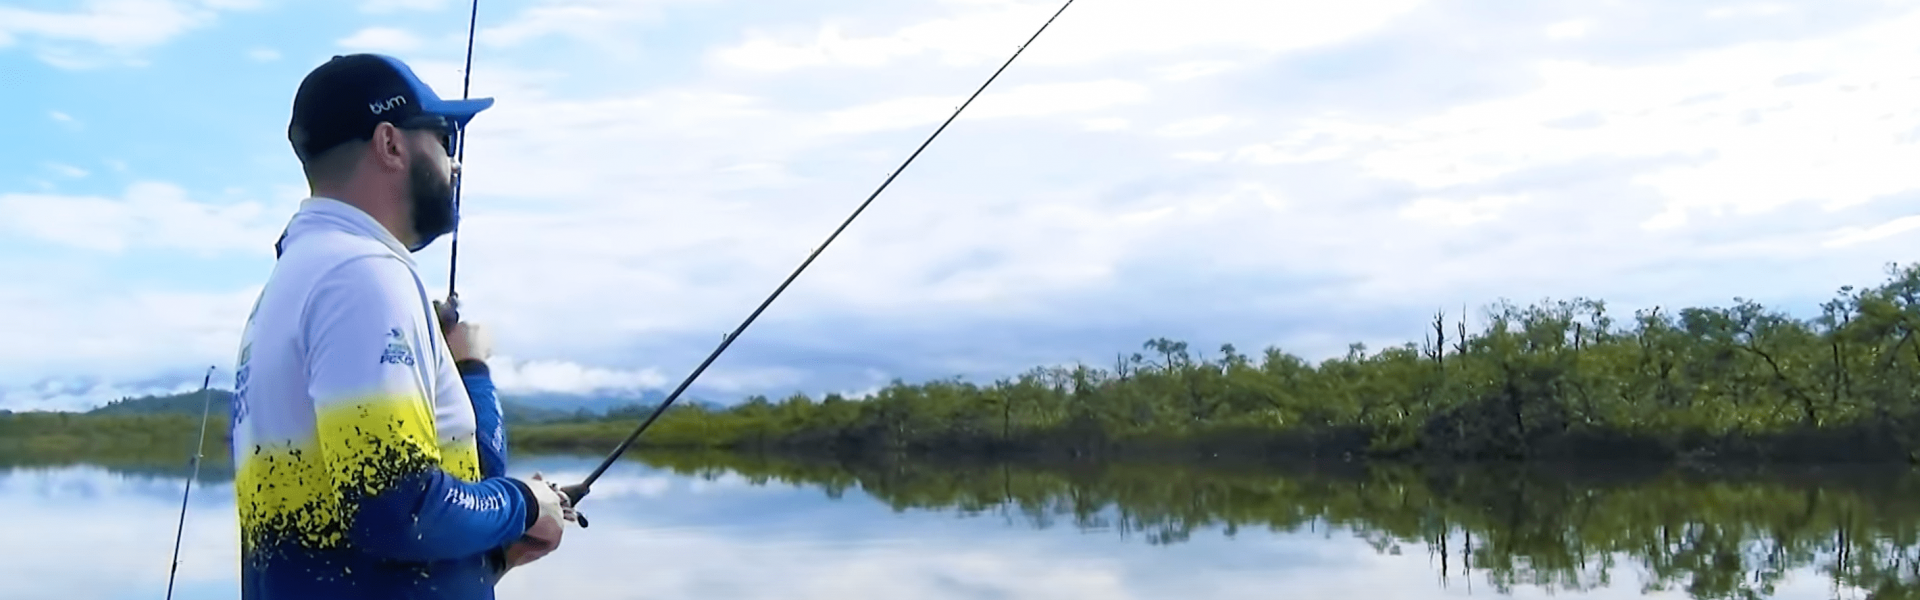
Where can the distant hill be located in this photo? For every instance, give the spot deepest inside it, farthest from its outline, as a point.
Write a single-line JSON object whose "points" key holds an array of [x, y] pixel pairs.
{"points": [[547, 407], [519, 408], [188, 403]]}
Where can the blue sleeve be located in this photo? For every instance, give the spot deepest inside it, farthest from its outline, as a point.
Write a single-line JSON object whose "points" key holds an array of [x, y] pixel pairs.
{"points": [[433, 516], [490, 422]]}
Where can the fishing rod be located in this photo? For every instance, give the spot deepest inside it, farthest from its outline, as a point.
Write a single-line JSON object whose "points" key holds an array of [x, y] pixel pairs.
{"points": [[460, 157], [578, 491], [206, 409]]}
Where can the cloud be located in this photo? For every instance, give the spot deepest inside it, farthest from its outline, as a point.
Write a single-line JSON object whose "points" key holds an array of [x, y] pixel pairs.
{"points": [[80, 394], [383, 7], [512, 375], [99, 307], [980, 32], [150, 215], [1572, 29], [1196, 126], [606, 25], [380, 39], [104, 31], [263, 55], [64, 337], [1035, 100], [1855, 235], [68, 171]]}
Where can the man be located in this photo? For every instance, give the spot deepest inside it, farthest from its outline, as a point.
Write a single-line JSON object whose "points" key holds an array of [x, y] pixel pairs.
{"points": [[363, 469]]}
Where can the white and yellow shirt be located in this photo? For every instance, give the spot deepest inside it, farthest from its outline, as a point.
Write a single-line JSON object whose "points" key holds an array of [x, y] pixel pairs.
{"points": [[358, 469]]}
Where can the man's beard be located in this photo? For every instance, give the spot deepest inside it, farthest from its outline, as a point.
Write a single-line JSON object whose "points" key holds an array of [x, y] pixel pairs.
{"points": [[433, 212]]}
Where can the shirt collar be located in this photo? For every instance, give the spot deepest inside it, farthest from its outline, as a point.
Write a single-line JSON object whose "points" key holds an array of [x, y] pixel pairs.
{"points": [[321, 212]]}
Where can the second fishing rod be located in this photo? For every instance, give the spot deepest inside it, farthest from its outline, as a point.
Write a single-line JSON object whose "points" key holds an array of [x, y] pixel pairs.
{"points": [[576, 492]]}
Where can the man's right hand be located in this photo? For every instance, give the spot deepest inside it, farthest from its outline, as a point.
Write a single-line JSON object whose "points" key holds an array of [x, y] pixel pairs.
{"points": [[464, 340], [544, 537]]}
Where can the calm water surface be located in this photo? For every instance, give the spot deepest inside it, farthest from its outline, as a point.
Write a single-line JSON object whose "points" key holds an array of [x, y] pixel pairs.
{"points": [[751, 529]]}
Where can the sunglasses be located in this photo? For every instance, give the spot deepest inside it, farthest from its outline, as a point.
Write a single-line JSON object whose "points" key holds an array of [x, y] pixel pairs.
{"points": [[448, 133]]}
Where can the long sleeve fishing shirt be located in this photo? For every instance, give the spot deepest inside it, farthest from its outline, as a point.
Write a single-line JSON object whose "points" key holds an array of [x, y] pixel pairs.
{"points": [[364, 469]]}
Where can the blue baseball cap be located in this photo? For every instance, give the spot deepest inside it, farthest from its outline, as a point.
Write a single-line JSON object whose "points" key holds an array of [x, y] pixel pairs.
{"points": [[345, 98]]}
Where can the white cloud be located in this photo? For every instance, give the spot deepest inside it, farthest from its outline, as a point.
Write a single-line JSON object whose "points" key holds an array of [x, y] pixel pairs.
{"points": [[1756, 9], [1196, 126], [80, 395], [607, 25], [1085, 33], [1196, 69], [1458, 212], [60, 116], [1856, 235], [61, 342], [382, 7], [263, 55], [1569, 29], [513, 375], [774, 382], [380, 39], [68, 171], [1200, 156], [1035, 100], [1837, 142], [154, 215], [121, 23], [100, 30]]}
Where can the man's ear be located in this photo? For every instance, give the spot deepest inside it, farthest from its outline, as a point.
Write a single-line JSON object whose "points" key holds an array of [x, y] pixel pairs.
{"points": [[388, 148]]}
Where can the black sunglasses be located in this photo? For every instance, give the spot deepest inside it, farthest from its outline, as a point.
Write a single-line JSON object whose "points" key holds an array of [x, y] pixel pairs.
{"points": [[448, 133]]}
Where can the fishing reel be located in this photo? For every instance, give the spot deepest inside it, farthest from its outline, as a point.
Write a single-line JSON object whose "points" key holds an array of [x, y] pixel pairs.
{"points": [[448, 312]]}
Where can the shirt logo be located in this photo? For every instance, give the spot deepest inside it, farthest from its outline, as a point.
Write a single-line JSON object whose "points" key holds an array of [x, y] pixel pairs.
{"points": [[239, 403], [397, 352]]}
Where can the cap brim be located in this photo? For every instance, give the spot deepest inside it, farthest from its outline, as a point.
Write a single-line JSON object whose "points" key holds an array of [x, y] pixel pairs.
{"points": [[459, 111]]}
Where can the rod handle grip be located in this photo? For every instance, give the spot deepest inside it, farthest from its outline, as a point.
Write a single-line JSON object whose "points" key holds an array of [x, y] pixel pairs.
{"points": [[574, 493]]}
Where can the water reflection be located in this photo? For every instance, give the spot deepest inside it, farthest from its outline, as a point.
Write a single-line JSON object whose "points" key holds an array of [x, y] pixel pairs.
{"points": [[723, 526]]}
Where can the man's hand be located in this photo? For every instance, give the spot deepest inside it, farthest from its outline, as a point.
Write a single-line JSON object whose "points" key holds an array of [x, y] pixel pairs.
{"points": [[464, 340], [544, 537]]}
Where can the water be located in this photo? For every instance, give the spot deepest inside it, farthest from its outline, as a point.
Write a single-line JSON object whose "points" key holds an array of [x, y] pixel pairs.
{"points": [[738, 528]]}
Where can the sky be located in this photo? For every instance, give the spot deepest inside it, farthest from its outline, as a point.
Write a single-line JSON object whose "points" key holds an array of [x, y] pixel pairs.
{"points": [[1293, 175]]}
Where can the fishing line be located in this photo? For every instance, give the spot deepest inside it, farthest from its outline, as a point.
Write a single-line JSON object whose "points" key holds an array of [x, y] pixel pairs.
{"points": [[206, 409], [578, 491]]}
